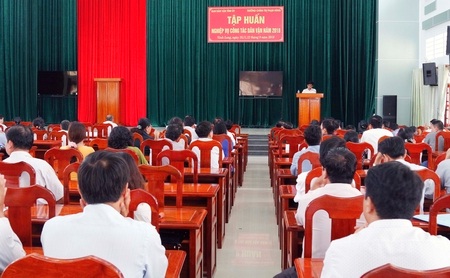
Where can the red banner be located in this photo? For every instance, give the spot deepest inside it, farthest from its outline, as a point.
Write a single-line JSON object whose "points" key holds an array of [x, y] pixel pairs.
{"points": [[245, 24]]}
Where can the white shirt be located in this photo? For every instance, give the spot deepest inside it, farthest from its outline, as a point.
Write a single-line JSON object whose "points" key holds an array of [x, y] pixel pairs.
{"points": [[193, 133], [133, 246], [321, 222], [10, 246], [443, 171], [393, 241], [306, 165], [308, 91], [372, 136], [45, 174]]}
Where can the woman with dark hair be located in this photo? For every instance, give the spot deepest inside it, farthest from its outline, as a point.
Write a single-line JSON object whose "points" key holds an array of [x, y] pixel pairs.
{"points": [[221, 128], [121, 138], [77, 134], [144, 127]]}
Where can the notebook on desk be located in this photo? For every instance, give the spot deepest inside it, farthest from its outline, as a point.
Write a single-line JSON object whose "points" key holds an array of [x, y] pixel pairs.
{"points": [[442, 219]]}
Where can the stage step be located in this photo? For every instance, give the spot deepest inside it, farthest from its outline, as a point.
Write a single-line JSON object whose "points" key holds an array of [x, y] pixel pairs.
{"points": [[257, 145]]}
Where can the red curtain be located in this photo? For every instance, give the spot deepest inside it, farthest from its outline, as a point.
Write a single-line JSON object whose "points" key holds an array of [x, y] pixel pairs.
{"points": [[112, 44]]}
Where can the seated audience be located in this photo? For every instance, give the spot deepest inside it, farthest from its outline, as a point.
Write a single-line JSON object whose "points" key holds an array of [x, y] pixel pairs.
{"points": [[77, 134], [229, 125], [144, 128], [103, 228], [221, 128], [430, 139], [313, 136], [339, 166], [362, 126], [329, 127], [39, 123], [389, 236], [393, 149], [190, 125], [351, 136], [407, 134], [110, 120], [443, 171], [17, 120], [121, 138], [20, 141], [173, 133], [10, 246], [65, 125], [375, 132], [2, 120], [204, 132]]}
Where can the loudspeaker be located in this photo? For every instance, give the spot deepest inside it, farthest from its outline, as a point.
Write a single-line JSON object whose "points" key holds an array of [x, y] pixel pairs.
{"points": [[429, 74], [390, 108], [448, 41]]}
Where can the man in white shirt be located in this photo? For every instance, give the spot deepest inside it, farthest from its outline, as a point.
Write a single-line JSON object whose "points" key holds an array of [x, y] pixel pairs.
{"points": [[10, 246], [102, 229], [443, 171], [205, 133], [19, 142], [190, 125], [393, 192], [313, 136], [375, 132], [430, 139], [339, 165], [2, 119], [309, 88]]}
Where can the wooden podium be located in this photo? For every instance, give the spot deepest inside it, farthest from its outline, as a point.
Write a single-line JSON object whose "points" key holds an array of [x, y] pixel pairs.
{"points": [[108, 98], [308, 108]]}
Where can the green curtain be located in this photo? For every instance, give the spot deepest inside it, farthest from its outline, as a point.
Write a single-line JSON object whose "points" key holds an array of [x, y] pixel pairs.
{"points": [[330, 42], [34, 35]]}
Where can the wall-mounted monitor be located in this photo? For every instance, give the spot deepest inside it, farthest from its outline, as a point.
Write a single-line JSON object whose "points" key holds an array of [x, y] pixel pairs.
{"points": [[261, 83], [57, 83]]}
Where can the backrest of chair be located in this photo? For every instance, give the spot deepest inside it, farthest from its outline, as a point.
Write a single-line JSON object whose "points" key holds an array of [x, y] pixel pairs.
{"points": [[358, 150], [177, 158], [236, 129], [389, 270], [185, 139], [314, 173], [40, 133], [205, 148], [59, 135], [427, 174], [34, 265], [53, 127], [139, 196], [221, 138], [295, 143], [71, 168], [415, 150], [342, 211], [128, 151], [137, 137], [98, 143], [13, 171], [32, 151], [156, 176], [60, 158], [155, 146], [102, 130], [446, 137], [19, 202], [88, 127], [439, 204], [439, 159], [312, 157]]}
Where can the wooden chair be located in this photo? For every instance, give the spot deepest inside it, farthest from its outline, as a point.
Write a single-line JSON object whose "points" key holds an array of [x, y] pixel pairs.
{"points": [[19, 202], [389, 270], [204, 148], [128, 151], [438, 205], [139, 196], [185, 139], [156, 176], [40, 134], [98, 143], [155, 146], [343, 213], [89, 132], [137, 137], [296, 143], [24, 123], [312, 157], [439, 159], [60, 158], [13, 171], [32, 151], [178, 160], [358, 150], [102, 130], [341, 132], [53, 127], [67, 174], [446, 137], [221, 138], [427, 174], [59, 136], [188, 134], [36, 265], [415, 150], [236, 129], [314, 173]]}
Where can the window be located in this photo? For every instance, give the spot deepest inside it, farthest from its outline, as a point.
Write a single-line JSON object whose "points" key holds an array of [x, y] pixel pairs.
{"points": [[435, 46]]}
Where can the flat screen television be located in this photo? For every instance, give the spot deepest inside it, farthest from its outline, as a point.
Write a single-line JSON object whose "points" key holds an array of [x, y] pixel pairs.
{"points": [[57, 83], [261, 83]]}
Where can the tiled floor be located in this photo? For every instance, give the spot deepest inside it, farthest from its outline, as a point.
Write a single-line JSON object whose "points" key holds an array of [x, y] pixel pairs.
{"points": [[251, 241]]}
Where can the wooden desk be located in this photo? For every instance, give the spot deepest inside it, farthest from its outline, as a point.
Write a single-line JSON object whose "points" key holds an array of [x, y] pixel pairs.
{"points": [[285, 202], [188, 219], [207, 175], [175, 258], [308, 268], [284, 177], [45, 145], [292, 239], [229, 163], [279, 163], [200, 195]]}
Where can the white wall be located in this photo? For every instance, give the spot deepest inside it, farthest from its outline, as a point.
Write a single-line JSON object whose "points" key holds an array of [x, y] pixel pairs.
{"points": [[398, 53]]}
